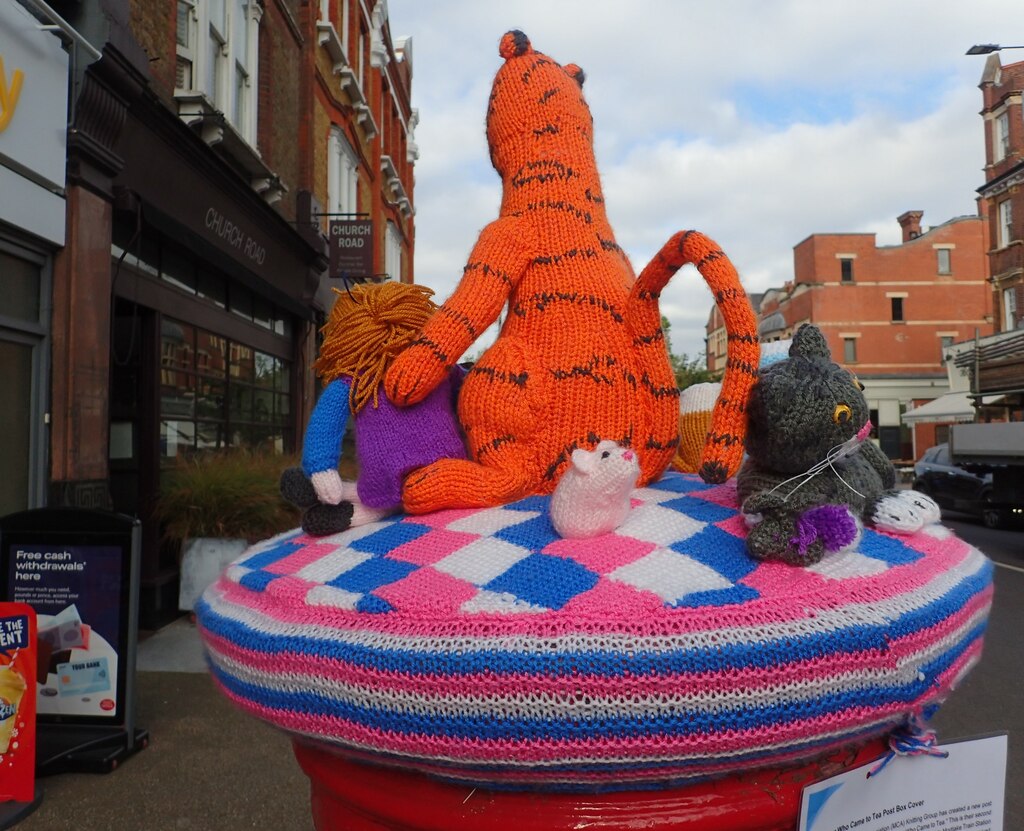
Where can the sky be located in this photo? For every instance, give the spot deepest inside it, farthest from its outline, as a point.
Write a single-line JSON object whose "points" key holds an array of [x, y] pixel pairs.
{"points": [[757, 122]]}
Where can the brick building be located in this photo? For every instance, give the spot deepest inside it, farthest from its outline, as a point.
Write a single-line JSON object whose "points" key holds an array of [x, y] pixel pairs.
{"points": [[170, 251], [1002, 196], [888, 312]]}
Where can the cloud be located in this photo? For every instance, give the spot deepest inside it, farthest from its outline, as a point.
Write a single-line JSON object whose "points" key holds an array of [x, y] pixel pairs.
{"points": [[757, 123]]}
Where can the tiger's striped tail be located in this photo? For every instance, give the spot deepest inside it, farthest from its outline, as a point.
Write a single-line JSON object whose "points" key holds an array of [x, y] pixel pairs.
{"points": [[723, 450]]}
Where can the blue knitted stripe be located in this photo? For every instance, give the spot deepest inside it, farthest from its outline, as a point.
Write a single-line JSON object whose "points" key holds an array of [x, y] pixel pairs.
{"points": [[679, 723], [712, 658]]}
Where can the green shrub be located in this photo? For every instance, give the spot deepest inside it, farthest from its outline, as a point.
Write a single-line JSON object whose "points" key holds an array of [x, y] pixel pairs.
{"points": [[225, 494]]}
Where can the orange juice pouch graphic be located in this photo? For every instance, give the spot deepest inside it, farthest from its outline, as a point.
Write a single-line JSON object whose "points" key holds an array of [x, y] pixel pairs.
{"points": [[17, 702]]}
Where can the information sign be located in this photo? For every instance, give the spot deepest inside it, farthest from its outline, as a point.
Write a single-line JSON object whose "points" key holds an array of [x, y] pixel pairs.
{"points": [[964, 790]]}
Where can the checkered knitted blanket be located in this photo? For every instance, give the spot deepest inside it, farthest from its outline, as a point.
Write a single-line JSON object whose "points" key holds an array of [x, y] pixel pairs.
{"points": [[480, 647]]}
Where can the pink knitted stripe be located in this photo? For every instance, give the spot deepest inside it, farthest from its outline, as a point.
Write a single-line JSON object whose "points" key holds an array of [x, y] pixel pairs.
{"points": [[822, 731]]}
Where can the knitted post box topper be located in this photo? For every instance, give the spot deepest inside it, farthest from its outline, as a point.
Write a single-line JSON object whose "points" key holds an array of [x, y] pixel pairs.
{"points": [[812, 475], [368, 326], [581, 356]]}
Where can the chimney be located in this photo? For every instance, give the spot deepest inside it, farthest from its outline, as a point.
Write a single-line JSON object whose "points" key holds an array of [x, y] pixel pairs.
{"points": [[910, 222]]}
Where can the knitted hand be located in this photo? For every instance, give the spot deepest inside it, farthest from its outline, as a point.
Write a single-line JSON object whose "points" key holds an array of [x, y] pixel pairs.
{"points": [[413, 374], [802, 538]]}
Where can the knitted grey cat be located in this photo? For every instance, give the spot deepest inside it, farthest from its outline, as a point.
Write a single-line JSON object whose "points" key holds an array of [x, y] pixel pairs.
{"points": [[811, 475]]}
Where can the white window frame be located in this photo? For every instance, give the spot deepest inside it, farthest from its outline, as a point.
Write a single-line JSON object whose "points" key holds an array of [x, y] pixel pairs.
{"points": [[1009, 309], [224, 59], [393, 252], [342, 174], [186, 53], [1005, 225], [944, 260], [1001, 136]]}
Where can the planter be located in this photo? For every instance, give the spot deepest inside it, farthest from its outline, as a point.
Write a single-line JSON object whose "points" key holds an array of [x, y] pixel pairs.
{"points": [[202, 561]]}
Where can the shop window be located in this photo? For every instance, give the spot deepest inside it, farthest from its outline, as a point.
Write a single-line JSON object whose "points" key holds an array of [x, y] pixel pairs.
{"points": [[21, 288], [944, 264], [216, 393], [846, 270]]}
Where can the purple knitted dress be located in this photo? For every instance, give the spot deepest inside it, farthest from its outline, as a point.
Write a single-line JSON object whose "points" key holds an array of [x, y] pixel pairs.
{"points": [[390, 441]]}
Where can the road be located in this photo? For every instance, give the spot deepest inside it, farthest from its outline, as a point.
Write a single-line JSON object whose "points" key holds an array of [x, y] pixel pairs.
{"points": [[991, 700]]}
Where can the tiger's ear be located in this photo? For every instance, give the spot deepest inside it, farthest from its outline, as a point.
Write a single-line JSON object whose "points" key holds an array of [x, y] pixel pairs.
{"points": [[577, 74], [513, 44]]}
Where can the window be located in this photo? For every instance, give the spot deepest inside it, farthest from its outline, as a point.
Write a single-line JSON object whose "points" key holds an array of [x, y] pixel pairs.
{"points": [[850, 350], [216, 393], [186, 44], [393, 252], [216, 60], [944, 262], [897, 309], [846, 270], [1001, 137], [1009, 309], [945, 342], [1005, 226], [342, 175]]}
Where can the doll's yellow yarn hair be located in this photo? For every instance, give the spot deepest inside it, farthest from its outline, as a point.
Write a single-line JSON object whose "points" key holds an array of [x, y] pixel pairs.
{"points": [[368, 326]]}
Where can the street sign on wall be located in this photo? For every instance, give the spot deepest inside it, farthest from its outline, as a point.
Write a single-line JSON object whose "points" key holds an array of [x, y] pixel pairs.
{"points": [[351, 247]]}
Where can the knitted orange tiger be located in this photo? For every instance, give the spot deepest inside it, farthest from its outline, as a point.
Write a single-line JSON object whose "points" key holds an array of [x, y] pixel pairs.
{"points": [[581, 356]]}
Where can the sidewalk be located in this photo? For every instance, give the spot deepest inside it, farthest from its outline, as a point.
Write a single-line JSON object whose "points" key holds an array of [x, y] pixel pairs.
{"points": [[208, 765]]}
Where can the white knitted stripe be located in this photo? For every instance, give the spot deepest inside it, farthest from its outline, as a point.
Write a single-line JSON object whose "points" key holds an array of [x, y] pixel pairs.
{"points": [[825, 621]]}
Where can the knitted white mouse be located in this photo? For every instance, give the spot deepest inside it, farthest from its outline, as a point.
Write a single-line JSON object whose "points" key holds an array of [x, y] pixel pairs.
{"points": [[592, 497]]}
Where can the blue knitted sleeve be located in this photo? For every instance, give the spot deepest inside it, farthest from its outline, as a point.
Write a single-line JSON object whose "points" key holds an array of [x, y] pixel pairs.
{"points": [[321, 447]]}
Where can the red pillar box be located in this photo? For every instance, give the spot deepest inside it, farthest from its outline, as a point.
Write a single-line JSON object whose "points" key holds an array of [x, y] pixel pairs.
{"points": [[17, 702]]}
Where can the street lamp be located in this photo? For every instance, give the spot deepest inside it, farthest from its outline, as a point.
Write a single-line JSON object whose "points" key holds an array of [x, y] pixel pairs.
{"points": [[988, 48]]}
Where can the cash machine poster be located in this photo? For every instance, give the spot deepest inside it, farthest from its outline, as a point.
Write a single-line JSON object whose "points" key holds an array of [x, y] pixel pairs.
{"points": [[17, 704], [76, 593]]}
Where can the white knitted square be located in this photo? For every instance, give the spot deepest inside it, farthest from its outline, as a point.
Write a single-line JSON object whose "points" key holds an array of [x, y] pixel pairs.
{"points": [[490, 521], [482, 560], [326, 568], [670, 575], [330, 596], [654, 494], [499, 603], [662, 526], [846, 564]]}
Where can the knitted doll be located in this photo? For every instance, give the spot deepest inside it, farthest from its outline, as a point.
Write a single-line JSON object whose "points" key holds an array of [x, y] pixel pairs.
{"points": [[581, 356], [368, 326], [811, 475]]}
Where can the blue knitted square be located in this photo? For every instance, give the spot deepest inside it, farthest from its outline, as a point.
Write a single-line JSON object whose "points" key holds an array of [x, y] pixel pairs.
{"points": [[888, 549], [535, 533], [700, 509], [679, 484], [372, 574], [276, 552], [719, 550], [257, 581], [544, 580], [389, 537]]}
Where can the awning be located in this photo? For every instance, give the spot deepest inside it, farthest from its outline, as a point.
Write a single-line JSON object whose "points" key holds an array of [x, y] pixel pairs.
{"points": [[953, 406]]}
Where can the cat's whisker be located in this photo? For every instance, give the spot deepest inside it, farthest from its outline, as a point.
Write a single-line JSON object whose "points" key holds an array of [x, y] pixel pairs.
{"points": [[839, 451]]}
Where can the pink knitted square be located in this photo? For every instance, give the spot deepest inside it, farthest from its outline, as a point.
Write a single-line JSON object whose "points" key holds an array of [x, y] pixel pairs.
{"points": [[427, 589], [601, 554], [431, 547], [294, 563]]}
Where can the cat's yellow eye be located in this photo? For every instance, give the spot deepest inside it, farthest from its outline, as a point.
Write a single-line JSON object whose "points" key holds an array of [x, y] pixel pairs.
{"points": [[842, 414]]}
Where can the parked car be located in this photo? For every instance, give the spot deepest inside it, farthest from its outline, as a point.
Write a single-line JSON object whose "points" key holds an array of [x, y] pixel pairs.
{"points": [[955, 488]]}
